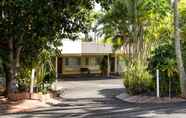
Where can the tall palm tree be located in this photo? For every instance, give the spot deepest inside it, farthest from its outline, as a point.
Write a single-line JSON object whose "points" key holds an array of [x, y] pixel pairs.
{"points": [[133, 22], [179, 59]]}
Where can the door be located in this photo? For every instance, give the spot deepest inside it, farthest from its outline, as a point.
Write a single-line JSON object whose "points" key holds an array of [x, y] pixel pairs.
{"points": [[112, 62], [60, 67]]}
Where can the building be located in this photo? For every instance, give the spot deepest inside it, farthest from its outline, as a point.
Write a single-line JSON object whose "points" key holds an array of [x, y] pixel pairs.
{"points": [[80, 58]]}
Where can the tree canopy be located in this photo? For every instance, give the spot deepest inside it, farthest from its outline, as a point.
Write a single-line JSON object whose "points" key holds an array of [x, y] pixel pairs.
{"points": [[29, 26], [134, 22]]}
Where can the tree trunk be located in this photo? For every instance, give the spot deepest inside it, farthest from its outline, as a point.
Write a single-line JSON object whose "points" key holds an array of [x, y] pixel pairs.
{"points": [[18, 53], [179, 60], [11, 82], [7, 76]]}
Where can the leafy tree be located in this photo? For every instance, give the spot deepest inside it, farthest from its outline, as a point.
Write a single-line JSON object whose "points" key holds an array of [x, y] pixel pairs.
{"points": [[164, 58], [137, 26], [29, 26], [131, 21]]}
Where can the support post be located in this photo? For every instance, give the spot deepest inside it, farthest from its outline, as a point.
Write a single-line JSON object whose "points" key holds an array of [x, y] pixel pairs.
{"points": [[55, 84], [116, 64], [157, 84], [108, 66], [56, 67], [32, 81]]}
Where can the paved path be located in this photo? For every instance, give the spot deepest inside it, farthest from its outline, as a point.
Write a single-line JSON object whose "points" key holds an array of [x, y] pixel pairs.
{"points": [[95, 99]]}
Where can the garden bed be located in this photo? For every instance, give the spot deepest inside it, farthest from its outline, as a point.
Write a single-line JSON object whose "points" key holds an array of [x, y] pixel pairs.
{"points": [[34, 96], [25, 102], [19, 96], [148, 99]]}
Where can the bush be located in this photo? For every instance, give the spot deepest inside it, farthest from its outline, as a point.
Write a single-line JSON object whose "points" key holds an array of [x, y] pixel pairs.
{"points": [[23, 79], [137, 79], [45, 78], [45, 85], [49, 78], [164, 59]]}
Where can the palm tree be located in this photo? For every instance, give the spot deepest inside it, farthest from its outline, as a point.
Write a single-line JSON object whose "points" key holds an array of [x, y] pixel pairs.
{"points": [[134, 24], [179, 59]]}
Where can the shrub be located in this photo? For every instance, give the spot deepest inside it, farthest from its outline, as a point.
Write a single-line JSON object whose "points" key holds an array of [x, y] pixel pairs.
{"points": [[164, 59], [45, 77], [23, 79], [137, 79]]}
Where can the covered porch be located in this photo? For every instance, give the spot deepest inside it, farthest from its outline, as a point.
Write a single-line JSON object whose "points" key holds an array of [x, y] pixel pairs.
{"points": [[86, 58], [85, 65]]}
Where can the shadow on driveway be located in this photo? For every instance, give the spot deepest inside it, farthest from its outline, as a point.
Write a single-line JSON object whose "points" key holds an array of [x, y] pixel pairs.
{"points": [[108, 107], [103, 107]]}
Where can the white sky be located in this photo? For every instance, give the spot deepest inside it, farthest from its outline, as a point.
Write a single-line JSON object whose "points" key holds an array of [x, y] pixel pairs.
{"points": [[97, 7]]}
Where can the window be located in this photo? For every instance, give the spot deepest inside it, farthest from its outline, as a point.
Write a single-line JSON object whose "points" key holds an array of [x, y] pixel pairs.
{"points": [[98, 60], [92, 61], [86, 61], [66, 61], [72, 61]]}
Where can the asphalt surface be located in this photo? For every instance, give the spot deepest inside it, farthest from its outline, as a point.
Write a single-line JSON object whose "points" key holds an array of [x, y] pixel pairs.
{"points": [[96, 99]]}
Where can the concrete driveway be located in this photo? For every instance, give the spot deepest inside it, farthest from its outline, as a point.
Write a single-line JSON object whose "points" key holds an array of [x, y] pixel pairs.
{"points": [[80, 89], [96, 99]]}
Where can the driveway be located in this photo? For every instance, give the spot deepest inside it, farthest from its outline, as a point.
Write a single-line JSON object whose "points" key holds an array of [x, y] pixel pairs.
{"points": [[96, 99], [88, 88]]}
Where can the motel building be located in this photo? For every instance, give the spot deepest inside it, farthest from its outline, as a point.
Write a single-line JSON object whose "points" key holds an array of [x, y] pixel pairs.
{"points": [[87, 58]]}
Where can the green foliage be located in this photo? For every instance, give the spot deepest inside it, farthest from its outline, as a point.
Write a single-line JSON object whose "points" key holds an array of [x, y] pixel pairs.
{"points": [[137, 79], [164, 59], [23, 79], [45, 71], [141, 26], [47, 81], [34, 25], [139, 17], [161, 55]]}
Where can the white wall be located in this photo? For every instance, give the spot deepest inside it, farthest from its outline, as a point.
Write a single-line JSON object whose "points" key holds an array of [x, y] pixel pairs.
{"points": [[79, 47], [93, 47], [71, 47]]}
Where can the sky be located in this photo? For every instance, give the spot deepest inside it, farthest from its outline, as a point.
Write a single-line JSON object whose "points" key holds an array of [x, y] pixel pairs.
{"points": [[97, 7]]}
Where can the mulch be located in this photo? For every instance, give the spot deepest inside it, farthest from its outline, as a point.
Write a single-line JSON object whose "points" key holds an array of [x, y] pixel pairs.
{"points": [[25, 105]]}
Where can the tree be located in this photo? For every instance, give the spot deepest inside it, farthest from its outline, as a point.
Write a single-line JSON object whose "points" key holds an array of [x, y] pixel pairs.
{"points": [[29, 26], [179, 59], [137, 27]]}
